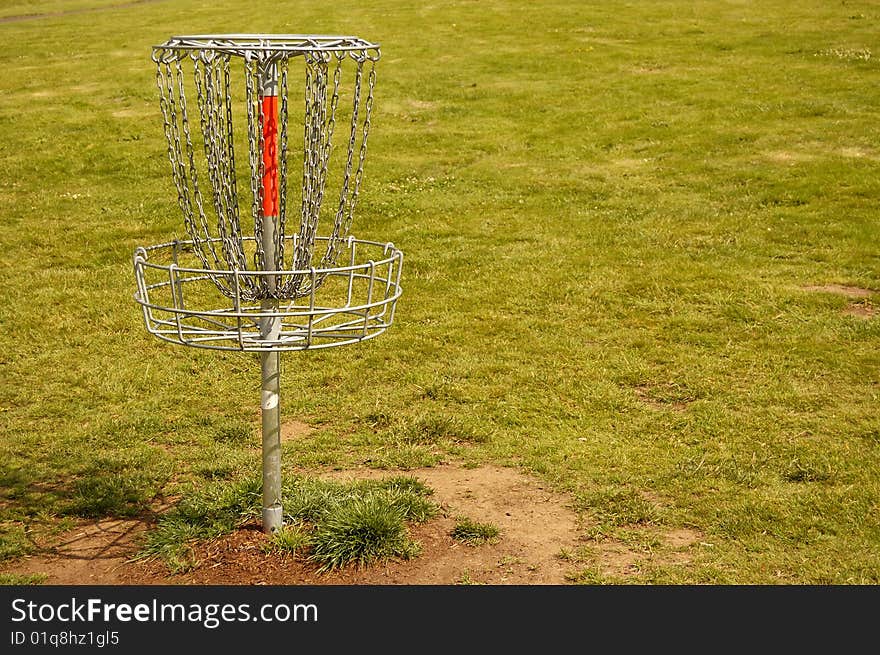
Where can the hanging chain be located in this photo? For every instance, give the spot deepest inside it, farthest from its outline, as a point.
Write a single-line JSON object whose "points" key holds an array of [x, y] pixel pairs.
{"points": [[331, 124], [320, 122], [368, 110], [170, 80], [221, 139], [348, 197], [255, 154], [313, 148], [208, 92], [282, 166], [165, 83]]}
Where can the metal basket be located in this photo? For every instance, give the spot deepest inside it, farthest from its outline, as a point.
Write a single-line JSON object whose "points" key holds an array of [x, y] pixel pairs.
{"points": [[180, 300]]}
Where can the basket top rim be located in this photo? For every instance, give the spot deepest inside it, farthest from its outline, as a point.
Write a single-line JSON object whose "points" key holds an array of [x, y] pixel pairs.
{"points": [[241, 44]]}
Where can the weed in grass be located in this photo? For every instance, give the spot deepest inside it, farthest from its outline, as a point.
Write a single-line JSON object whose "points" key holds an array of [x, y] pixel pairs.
{"points": [[582, 554], [412, 507], [400, 455], [360, 532], [473, 533], [170, 541], [407, 494], [404, 484], [179, 559], [638, 539], [308, 499], [234, 433], [801, 470], [591, 575], [377, 420], [224, 505], [292, 539], [223, 471], [443, 391]]}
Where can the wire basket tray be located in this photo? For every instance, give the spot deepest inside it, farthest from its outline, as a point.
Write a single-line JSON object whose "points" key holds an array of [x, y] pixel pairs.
{"points": [[271, 45], [356, 301]]}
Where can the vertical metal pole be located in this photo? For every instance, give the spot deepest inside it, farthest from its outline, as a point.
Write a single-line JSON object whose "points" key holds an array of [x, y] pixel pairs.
{"points": [[270, 361]]}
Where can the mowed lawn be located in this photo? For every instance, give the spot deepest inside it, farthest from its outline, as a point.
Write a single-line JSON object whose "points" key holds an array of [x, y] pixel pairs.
{"points": [[642, 264]]}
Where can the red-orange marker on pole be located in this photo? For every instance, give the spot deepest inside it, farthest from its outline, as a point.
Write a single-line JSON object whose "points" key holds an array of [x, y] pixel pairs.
{"points": [[269, 109]]}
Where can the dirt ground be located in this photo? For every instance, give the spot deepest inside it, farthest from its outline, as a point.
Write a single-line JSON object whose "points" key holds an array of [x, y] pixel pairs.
{"points": [[536, 527], [859, 306]]}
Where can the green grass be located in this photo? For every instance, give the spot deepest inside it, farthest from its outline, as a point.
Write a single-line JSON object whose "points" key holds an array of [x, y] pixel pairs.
{"points": [[15, 579], [361, 531], [609, 212], [34, 9], [333, 524], [473, 533], [290, 539], [202, 514]]}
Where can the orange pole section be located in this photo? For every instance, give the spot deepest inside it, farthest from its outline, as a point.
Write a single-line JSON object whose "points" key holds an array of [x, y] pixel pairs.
{"points": [[269, 108]]}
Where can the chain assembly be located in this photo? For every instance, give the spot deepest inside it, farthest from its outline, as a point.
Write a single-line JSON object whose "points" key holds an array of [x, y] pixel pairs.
{"points": [[228, 229]]}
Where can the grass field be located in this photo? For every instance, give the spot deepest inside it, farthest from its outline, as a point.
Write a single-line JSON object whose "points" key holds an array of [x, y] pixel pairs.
{"points": [[622, 221]]}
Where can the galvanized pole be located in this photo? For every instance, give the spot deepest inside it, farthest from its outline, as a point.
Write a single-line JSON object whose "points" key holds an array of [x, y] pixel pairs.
{"points": [[270, 361]]}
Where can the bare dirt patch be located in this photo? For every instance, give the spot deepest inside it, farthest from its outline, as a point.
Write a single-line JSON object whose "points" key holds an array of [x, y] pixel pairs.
{"points": [[789, 156], [857, 153], [861, 307], [841, 290], [668, 396], [860, 310], [69, 12], [294, 430], [95, 552], [131, 112], [615, 558], [536, 527]]}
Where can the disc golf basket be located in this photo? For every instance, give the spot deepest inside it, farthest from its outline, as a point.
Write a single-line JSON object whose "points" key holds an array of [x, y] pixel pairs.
{"points": [[269, 264]]}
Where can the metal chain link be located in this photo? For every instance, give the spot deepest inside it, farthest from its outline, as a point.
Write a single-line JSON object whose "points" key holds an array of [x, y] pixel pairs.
{"points": [[315, 101], [347, 202], [255, 153], [204, 75], [368, 107], [221, 139], [283, 66], [170, 80], [332, 250], [318, 145], [164, 82]]}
